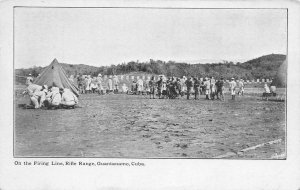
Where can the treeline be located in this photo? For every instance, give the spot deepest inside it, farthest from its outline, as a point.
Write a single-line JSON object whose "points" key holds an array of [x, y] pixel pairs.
{"points": [[262, 67]]}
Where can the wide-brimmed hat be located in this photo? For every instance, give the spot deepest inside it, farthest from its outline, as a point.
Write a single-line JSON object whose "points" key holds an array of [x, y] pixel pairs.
{"points": [[99, 75]]}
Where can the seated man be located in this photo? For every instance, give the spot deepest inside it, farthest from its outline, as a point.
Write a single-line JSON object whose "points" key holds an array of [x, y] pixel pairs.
{"points": [[267, 92], [68, 98], [53, 98], [30, 90], [125, 88], [39, 97]]}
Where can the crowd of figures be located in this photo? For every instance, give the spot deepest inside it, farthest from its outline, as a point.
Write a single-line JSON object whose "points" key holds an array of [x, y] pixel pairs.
{"points": [[210, 87], [87, 84], [172, 87], [162, 88], [49, 97]]}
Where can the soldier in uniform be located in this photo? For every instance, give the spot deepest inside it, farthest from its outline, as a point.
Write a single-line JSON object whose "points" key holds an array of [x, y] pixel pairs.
{"points": [[159, 86], [152, 86], [232, 88], [189, 85], [207, 88], [179, 86], [196, 88], [220, 89]]}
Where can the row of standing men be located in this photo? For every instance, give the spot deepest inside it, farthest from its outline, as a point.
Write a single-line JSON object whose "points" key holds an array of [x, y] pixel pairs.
{"points": [[175, 87], [171, 87]]}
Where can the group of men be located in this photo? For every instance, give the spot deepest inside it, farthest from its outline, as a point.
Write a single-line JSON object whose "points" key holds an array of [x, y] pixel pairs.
{"points": [[88, 84], [171, 87], [49, 97], [174, 87]]}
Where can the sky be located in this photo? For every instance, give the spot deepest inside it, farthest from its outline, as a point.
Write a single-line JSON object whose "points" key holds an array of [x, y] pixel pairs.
{"points": [[105, 36]]}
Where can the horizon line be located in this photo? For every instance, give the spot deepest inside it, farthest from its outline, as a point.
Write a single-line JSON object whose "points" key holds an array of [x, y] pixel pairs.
{"points": [[191, 62]]}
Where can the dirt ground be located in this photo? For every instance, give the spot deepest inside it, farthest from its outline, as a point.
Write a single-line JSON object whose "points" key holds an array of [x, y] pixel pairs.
{"points": [[134, 126]]}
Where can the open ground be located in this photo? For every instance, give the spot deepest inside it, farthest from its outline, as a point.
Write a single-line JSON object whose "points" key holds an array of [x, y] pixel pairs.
{"points": [[134, 126]]}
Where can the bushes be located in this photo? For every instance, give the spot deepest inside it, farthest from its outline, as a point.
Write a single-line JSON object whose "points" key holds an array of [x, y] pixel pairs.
{"points": [[262, 67]]}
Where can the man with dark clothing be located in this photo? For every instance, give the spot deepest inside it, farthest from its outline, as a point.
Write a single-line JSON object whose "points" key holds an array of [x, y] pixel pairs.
{"points": [[80, 82], [196, 88], [220, 89], [202, 87], [159, 86], [178, 86], [152, 86], [189, 85]]}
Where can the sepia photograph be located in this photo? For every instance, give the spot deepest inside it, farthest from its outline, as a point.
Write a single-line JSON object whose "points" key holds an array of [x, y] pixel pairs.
{"points": [[150, 82]]}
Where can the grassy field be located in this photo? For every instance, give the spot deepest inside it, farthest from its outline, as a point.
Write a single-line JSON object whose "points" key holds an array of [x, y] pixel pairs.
{"points": [[134, 126]]}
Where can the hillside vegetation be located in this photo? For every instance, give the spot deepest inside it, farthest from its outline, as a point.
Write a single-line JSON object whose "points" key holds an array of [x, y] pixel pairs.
{"points": [[262, 67]]}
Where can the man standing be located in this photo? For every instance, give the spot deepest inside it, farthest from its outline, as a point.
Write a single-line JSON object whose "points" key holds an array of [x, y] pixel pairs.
{"points": [[220, 89], [87, 82], [183, 85], [110, 84], [99, 84], [80, 82], [240, 86], [189, 85], [196, 88], [207, 88], [232, 87], [116, 84], [152, 87], [29, 78], [179, 87], [212, 87], [140, 86], [159, 86]]}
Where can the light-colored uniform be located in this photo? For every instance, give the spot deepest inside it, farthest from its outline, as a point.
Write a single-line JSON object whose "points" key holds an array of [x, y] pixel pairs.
{"points": [[212, 86], [38, 98], [140, 85], [116, 83], [68, 98], [273, 89], [183, 85], [54, 97], [267, 89], [31, 88], [33, 91], [88, 83], [110, 84], [94, 83], [232, 87], [240, 85], [124, 88], [99, 82], [29, 80], [207, 87]]}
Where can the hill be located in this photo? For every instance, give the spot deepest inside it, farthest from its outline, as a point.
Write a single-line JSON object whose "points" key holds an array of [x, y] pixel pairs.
{"points": [[261, 67]]}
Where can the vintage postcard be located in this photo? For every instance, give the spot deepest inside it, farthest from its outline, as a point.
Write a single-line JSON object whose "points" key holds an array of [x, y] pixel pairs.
{"points": [[127, 86]]}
